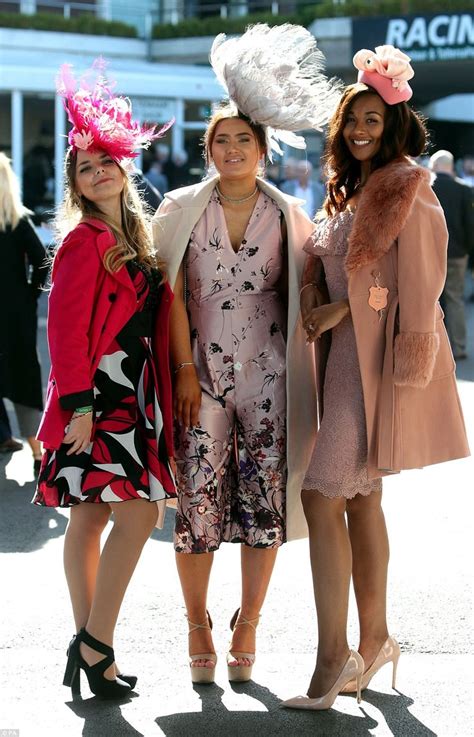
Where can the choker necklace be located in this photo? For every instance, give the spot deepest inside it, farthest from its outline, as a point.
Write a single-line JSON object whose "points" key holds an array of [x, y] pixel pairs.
{"points": [[237, 200]]}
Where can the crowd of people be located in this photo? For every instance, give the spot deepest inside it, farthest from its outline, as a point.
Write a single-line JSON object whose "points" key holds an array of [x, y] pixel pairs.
{"points": [[263, 354]]}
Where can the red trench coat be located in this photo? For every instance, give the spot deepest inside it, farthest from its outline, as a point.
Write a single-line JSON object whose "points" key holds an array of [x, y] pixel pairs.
{"points": [[412, 409], [88, 307]]}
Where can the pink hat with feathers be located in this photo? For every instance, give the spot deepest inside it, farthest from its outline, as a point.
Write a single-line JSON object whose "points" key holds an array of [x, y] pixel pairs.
{"points": [[387, 70], [100, 120]]}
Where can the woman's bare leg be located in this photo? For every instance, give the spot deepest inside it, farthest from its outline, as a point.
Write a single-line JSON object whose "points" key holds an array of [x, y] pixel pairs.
{"points": [[133, 523], [370, 555], [194, 571], [331, 563], [82, 554], [257, 566]]}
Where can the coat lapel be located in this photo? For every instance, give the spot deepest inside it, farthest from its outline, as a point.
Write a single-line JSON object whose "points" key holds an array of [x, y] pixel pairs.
{"points": [[383, 210], [104, 241]]}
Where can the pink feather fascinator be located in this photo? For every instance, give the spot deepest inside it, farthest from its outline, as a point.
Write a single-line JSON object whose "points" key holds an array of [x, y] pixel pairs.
{"points": [[387, 70], [100, 120]]}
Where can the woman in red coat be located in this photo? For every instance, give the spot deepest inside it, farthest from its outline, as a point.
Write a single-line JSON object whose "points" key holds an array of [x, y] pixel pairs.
{"points": [[107, 422]]}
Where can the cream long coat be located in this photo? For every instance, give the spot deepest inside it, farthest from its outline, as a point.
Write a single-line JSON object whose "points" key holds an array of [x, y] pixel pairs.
{"points": [[172, 226], [412, 409]]}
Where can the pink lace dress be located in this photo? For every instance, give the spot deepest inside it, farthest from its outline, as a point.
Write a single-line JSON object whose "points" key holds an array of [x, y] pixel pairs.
{"points": [[338, 467]]}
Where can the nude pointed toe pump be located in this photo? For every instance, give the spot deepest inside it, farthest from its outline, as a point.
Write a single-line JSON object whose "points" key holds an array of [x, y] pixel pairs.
{"points": [[240, 673], [201, 673], [352, 671], [388, 653]]}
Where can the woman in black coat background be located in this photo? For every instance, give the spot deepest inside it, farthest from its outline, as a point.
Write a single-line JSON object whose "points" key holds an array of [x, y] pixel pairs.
{"points": [[23, 270]]}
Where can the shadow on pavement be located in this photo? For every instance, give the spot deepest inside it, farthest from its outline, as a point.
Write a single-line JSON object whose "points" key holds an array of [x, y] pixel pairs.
{"points": [[24, 527], [395, 710], [216, 720], [103, 717]]}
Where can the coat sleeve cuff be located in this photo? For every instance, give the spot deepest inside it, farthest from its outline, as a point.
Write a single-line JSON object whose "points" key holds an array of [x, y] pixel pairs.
{"points": [[78, 399], [414, 358]]}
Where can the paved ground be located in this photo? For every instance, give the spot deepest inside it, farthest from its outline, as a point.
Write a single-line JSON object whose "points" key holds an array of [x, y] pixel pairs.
{"points": [[429, 515]]}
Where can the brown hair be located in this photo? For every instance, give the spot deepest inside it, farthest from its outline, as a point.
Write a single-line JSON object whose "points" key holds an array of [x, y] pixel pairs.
{"points": [[404, 134], [224, 111], [133, 238]]}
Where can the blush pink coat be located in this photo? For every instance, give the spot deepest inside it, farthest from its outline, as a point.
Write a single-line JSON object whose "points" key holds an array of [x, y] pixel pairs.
{"points": [[88, 306], [399, 237]]}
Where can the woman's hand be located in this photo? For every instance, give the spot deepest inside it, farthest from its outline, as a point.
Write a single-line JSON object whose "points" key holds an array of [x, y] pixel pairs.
{"points": [[310, 298], [79, 433], [187, 397], [324, 318]]}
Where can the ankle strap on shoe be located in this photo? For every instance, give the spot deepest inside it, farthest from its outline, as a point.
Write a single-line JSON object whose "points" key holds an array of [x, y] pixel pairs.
{"points": [[194, 626], [240, 620], [101, 647]]}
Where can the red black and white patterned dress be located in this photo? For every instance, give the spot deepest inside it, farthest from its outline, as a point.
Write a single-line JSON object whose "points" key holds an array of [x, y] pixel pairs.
{"points": [[127, 458]]}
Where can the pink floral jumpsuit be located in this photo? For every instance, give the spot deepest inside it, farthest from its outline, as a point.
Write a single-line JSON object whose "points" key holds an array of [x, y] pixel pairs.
{"points": [[232, 467]]}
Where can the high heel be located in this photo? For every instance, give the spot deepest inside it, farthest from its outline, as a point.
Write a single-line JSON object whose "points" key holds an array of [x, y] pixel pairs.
{"points": [[200, 673], [388, 653], [98, 684], [352, 671], [240, 673]]}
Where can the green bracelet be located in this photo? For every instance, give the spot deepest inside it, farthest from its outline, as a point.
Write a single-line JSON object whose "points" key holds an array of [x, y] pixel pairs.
{"points": [[83, 410]]}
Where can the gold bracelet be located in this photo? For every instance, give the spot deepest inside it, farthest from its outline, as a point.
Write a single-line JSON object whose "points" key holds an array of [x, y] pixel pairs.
{"points": [[181, 365], [309, 284]]}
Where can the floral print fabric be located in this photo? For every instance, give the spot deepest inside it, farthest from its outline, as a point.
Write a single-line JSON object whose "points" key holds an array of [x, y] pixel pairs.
{"points": [[232, 467], [127, 458]]}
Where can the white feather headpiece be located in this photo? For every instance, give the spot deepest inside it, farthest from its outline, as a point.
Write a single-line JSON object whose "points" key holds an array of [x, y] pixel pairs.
{"points": [[274, 76]]}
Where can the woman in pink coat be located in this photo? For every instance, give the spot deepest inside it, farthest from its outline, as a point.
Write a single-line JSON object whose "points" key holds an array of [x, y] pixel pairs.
{"points": [[106, 428], [375, 269]]}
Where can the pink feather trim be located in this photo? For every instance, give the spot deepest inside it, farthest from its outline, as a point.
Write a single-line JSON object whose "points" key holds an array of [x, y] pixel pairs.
{"points": [[100, 120]]}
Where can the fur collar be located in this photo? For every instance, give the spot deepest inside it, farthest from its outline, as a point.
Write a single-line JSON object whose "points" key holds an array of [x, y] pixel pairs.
{"points": [[383, 210]]}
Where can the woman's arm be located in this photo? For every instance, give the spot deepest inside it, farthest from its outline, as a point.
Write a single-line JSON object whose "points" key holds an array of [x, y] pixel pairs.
{"points": [[318, 313], [187, 390], [422, 253], [71, 302]]}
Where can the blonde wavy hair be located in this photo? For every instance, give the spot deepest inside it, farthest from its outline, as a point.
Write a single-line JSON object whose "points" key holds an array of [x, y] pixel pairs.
{"points": [[133, 238], [11, 207]]}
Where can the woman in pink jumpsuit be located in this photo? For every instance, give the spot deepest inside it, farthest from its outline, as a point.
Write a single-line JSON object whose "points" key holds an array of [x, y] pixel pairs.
{"points": [[228, 349]]}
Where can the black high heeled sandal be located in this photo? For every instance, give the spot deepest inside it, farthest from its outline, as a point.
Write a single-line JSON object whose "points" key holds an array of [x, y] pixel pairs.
{"points": [[130, 679], [98, 684]]}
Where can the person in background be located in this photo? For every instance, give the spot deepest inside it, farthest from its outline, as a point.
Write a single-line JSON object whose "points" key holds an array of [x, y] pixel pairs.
{"points": [[148, 193], [456, 198], [107, 422], [24, 273], [305, 188], [467, 169]]}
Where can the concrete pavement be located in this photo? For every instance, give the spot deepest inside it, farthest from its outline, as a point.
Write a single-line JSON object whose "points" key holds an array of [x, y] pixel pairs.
{"points": [[429, 515]]}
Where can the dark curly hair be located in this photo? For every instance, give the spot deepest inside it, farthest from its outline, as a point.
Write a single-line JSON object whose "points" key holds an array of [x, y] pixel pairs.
{"points": [[404, 134]]}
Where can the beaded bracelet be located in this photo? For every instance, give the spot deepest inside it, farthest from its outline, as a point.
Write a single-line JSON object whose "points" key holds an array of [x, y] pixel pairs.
{"points": [[83, 414], [181, 365], [82, 411]]}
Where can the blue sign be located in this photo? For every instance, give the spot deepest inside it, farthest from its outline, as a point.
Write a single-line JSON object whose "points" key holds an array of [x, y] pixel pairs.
{"points": [[434, 37]]}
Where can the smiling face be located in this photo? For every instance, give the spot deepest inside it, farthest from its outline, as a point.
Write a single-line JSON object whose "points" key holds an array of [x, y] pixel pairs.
{"points": [[235, 150], [98, 177], [364, 127]]}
